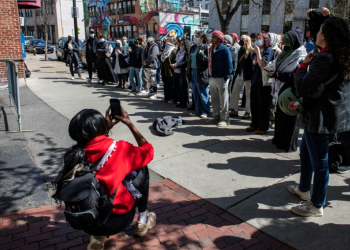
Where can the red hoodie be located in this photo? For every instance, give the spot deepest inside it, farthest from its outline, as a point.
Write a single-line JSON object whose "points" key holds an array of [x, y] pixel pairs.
{"points": [[124, 159]]}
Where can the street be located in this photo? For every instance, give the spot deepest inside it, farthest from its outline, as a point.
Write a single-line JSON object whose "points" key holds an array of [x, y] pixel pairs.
{"points": [[241, 173]]}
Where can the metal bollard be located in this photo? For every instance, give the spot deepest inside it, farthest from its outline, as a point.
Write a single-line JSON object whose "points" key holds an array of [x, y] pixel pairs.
{"points": [[34, 52]]}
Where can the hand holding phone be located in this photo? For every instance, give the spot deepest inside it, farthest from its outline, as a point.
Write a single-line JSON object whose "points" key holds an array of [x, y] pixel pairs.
{"points": [[115, 107]]}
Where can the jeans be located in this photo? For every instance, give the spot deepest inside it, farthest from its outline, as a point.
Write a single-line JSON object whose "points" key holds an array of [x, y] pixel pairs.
{"points": [[200, 94], [237, 88], [314, 159], [149, 80], [219, 91], [133, 72]]}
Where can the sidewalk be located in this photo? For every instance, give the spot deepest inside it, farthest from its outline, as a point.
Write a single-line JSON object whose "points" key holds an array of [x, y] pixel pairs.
{"points": [[184, 221]]}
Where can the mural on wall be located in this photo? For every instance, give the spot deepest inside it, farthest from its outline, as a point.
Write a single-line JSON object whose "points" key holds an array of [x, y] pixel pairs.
{"points": [[150, 5], [139, 22], [175, 24], [102, 18]]}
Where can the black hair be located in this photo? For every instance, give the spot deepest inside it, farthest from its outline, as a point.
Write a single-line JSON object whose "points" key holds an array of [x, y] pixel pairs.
{"points": [[206, 39], [337, 35], [83, 128], [253, 36], [138, 40], [102, 37]]}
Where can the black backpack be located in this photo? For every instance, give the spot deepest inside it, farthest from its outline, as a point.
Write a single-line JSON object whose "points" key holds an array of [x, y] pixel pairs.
{"points": [[87, 205]]}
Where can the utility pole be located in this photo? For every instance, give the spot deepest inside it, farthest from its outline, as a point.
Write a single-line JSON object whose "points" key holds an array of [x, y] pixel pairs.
{"points": [[75, 17]]}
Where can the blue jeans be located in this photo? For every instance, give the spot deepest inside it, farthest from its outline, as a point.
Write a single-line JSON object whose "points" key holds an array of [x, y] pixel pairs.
{"points": [[200, 94], [158, 73], [133, 72], [314, 159]]}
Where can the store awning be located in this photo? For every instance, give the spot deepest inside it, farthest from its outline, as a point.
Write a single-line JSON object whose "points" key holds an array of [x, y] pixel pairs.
{"points": [[29, 4]]}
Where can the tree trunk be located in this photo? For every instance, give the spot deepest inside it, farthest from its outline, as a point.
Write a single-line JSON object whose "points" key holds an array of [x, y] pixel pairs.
{"points": [[45, 34]]}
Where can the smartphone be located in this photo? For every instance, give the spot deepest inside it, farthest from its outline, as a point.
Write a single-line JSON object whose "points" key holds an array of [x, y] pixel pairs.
{"points": [[115, 107]]}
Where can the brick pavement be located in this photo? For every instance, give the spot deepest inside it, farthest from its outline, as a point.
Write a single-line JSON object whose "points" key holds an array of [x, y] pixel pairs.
{"points": [[184, 221]]}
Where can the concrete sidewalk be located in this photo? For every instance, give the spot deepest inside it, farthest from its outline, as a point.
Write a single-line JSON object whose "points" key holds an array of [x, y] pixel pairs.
{"points": [[184, 221], [240, 172]]}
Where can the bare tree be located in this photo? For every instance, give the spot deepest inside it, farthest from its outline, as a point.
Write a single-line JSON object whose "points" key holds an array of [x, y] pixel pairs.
{"points": [[45, 13]]}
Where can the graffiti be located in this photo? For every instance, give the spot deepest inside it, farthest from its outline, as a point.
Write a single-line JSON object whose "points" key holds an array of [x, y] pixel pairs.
{"points": [[102, 18], [175, 23], [139, 22], [166, 5]]}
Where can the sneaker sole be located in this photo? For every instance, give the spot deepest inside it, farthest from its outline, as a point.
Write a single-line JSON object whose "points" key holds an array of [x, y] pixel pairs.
{"points": [[295, 211], [97, 246]]}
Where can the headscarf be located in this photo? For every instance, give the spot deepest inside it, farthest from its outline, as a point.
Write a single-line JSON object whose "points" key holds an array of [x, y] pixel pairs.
{"points": [[295, 39], [120, 42], [132, 43], [234, 35], [275, 41], [229, 39], [169, 47]]}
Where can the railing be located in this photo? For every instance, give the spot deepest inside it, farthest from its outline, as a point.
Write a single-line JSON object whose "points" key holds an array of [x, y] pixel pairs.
{"points": [[13, 87]]}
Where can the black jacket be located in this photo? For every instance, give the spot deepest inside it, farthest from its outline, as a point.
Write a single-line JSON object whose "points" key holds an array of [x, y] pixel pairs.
{"points": [[101, 50], [202, 64], [91, 47], [330, 113], [136, 55], [121, 58], [182, 65], [72, 55]]}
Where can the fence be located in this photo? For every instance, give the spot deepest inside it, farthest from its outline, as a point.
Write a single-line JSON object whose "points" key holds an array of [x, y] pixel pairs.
{"points": [[12, 80]]}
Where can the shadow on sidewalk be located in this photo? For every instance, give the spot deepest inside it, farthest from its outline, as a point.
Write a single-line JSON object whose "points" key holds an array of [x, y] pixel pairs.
{"points": [[183, 221]]}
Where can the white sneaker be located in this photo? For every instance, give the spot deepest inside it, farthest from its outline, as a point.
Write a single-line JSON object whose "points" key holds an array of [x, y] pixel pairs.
{"points": [[223, 123], [294, 189], [306, 208], [153, 97], [82, 78], [203, 116], [72, 78], [144, 91]]}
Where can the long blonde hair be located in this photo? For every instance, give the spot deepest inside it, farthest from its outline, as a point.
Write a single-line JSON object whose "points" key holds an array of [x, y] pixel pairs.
{"points": [[247, 44]]}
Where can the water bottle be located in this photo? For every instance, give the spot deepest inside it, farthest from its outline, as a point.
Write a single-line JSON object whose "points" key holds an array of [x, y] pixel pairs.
{"points": [[179, 122]]}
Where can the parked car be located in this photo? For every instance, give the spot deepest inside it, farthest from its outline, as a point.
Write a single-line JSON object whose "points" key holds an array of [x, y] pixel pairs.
{"points": [[39, 46], [82, 52], [60, 47]]}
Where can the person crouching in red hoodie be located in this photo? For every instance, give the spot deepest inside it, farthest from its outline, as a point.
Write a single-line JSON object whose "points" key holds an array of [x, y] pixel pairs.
{"points": [[118, 158]]}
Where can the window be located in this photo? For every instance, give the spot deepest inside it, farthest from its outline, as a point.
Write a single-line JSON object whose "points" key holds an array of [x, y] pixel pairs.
{"points": [[129, 7], [314, 4], [265, 28], [30, 30], [287, 26], [244, 24], [20, 12], [48, 33], [245, 7], [289, 7], [155, 28], [266, 8]]}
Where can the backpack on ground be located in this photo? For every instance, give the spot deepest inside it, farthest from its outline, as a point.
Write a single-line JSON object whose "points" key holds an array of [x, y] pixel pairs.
{"points": [[87, 205]]}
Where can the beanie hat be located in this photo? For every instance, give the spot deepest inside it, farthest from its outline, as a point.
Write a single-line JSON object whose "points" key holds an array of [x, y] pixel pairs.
{"points": [[235, 37], [152, 34], [218, 34], [132, 43], [228, 38]]}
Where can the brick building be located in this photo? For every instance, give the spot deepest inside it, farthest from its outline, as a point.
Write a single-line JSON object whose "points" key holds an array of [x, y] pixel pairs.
{"points": [[10, 42]]}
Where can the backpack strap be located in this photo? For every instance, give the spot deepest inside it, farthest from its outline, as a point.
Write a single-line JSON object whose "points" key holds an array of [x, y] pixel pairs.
{"points": [[330, 80]]}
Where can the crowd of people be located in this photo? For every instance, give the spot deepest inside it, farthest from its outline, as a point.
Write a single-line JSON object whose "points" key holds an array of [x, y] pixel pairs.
{"points": [[260, 67]]}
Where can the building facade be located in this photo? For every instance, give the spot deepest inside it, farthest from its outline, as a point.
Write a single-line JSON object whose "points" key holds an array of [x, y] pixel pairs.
{"points": [[118, 18], [61, 23], [277, 16]]}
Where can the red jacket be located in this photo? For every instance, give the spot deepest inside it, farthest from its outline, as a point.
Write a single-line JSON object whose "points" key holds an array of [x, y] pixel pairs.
{"points": [[124, 159]]}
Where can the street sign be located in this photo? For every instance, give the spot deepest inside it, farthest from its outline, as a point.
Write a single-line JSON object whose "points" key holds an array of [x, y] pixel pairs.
{"points": [[75, 12], [21, 21], [162, 30]]}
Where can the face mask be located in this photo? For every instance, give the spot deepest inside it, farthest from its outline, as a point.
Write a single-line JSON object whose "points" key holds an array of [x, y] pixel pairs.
{"points": [[225, 42], [258, 43], [253, 44], [124, 40], [149, 40], [196, 40], [102, 40], [241, 43], [92, 35], [286, 48]]}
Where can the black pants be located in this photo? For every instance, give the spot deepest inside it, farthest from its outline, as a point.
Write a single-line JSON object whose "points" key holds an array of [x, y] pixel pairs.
{"points": [[74, 63], [121, 79], [260, 101], [168, 88], [119, 222], [126, 75], [91, 65], [181, 90]]}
